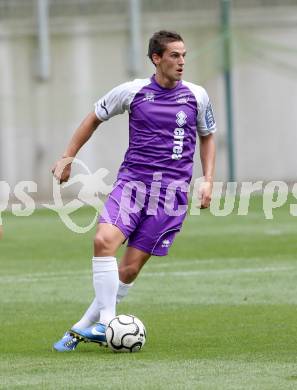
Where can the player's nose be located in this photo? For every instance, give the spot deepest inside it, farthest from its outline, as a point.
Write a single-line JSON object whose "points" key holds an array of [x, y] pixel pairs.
{"points": [[181, 60]]}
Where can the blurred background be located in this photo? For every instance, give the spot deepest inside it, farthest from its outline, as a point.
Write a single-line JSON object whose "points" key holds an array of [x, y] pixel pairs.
{"points": [[57, 57]]}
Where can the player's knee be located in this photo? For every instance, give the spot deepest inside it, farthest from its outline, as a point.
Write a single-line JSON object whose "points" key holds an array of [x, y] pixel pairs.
{"points": [[128, 273], [102, 245]]}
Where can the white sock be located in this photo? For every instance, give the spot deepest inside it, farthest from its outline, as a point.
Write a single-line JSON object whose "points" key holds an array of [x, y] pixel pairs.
{"points": [[91, 316], [123, 290], [106, 284]]}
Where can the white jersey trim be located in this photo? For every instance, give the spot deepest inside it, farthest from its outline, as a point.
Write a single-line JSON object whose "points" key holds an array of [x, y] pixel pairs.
{"points": [[119, 99], [205, 119]]}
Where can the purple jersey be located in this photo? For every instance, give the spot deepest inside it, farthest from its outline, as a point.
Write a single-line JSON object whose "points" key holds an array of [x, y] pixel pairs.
{"points": [[163, 124]]}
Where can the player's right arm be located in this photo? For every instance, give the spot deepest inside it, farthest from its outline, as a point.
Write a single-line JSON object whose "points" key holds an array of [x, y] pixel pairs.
{"points": [[115, 102], [62, 168]]}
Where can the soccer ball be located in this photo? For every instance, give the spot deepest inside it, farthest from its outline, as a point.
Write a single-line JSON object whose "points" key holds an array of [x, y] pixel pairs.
{"points": [[125, 333]]}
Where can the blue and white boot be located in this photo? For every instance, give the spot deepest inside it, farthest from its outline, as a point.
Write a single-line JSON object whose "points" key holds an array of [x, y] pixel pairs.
{"points": [[67, 343], [94, 334]]}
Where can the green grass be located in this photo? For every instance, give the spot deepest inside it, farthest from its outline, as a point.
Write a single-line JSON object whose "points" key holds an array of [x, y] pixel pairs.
{"points": [[220, 311]]}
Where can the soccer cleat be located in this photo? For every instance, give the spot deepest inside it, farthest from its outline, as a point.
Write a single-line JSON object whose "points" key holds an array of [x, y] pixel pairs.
{"points": [[67, 343], [95, 334]]}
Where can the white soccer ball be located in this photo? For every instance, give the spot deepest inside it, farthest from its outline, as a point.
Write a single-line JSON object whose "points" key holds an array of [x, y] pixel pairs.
{"points": [[125, 333]]}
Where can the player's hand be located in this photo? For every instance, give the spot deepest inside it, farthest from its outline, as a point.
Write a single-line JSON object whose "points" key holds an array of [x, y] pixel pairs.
{"points": [[204, 194], [62, 169]]}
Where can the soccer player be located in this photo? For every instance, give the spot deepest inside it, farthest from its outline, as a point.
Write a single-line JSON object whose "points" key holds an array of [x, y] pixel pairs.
{"points": [[147, 203]]}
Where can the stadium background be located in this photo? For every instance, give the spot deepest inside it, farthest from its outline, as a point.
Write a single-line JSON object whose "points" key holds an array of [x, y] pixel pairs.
{"points": [[89, 51]]}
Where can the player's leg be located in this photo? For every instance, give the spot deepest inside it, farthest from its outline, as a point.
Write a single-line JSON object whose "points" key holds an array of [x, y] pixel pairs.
{"points": [[105, 279], [107, 240], [154, 235], [105, 266], [131, 263], [108, 290], [129, 267]]}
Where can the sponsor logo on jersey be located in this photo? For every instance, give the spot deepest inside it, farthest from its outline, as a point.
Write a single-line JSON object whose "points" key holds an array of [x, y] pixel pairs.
{"points": [[178, 136], [209, 117], [149, 97]]}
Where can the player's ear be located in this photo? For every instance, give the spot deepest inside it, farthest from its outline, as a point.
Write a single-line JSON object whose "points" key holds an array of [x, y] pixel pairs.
{"points": [[156, 58]]}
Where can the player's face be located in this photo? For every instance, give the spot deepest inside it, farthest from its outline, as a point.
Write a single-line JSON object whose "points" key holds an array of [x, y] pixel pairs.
{"points": [[170, 66]]}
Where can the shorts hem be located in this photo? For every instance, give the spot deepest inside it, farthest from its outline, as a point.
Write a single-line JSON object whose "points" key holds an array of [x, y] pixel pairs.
{"points": [[114, 224], [151, 252]]}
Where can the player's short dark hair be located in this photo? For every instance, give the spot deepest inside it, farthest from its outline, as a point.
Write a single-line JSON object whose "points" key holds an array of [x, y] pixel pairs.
{"points": [[159, 41]]}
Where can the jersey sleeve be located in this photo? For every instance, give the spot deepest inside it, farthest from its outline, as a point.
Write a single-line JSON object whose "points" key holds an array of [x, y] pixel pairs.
{"points": [[115, 102], [206, 123]]}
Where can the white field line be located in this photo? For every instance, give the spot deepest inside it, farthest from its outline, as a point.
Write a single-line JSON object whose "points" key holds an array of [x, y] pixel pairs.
{"points": [[238, 230], [156, 264], [219, 272], [219, 260], [43, 277]]}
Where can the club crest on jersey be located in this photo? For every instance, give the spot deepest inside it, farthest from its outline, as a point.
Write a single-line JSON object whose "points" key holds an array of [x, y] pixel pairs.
{"points": [[149, 97], [182, 98], [181, 117]]}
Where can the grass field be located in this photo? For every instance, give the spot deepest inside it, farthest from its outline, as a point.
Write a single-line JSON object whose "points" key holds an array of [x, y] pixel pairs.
{"points": [[220, 311]]}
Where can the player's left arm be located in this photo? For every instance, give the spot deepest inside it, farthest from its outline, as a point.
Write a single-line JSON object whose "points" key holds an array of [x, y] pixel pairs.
{"points": [[207, 156]]}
